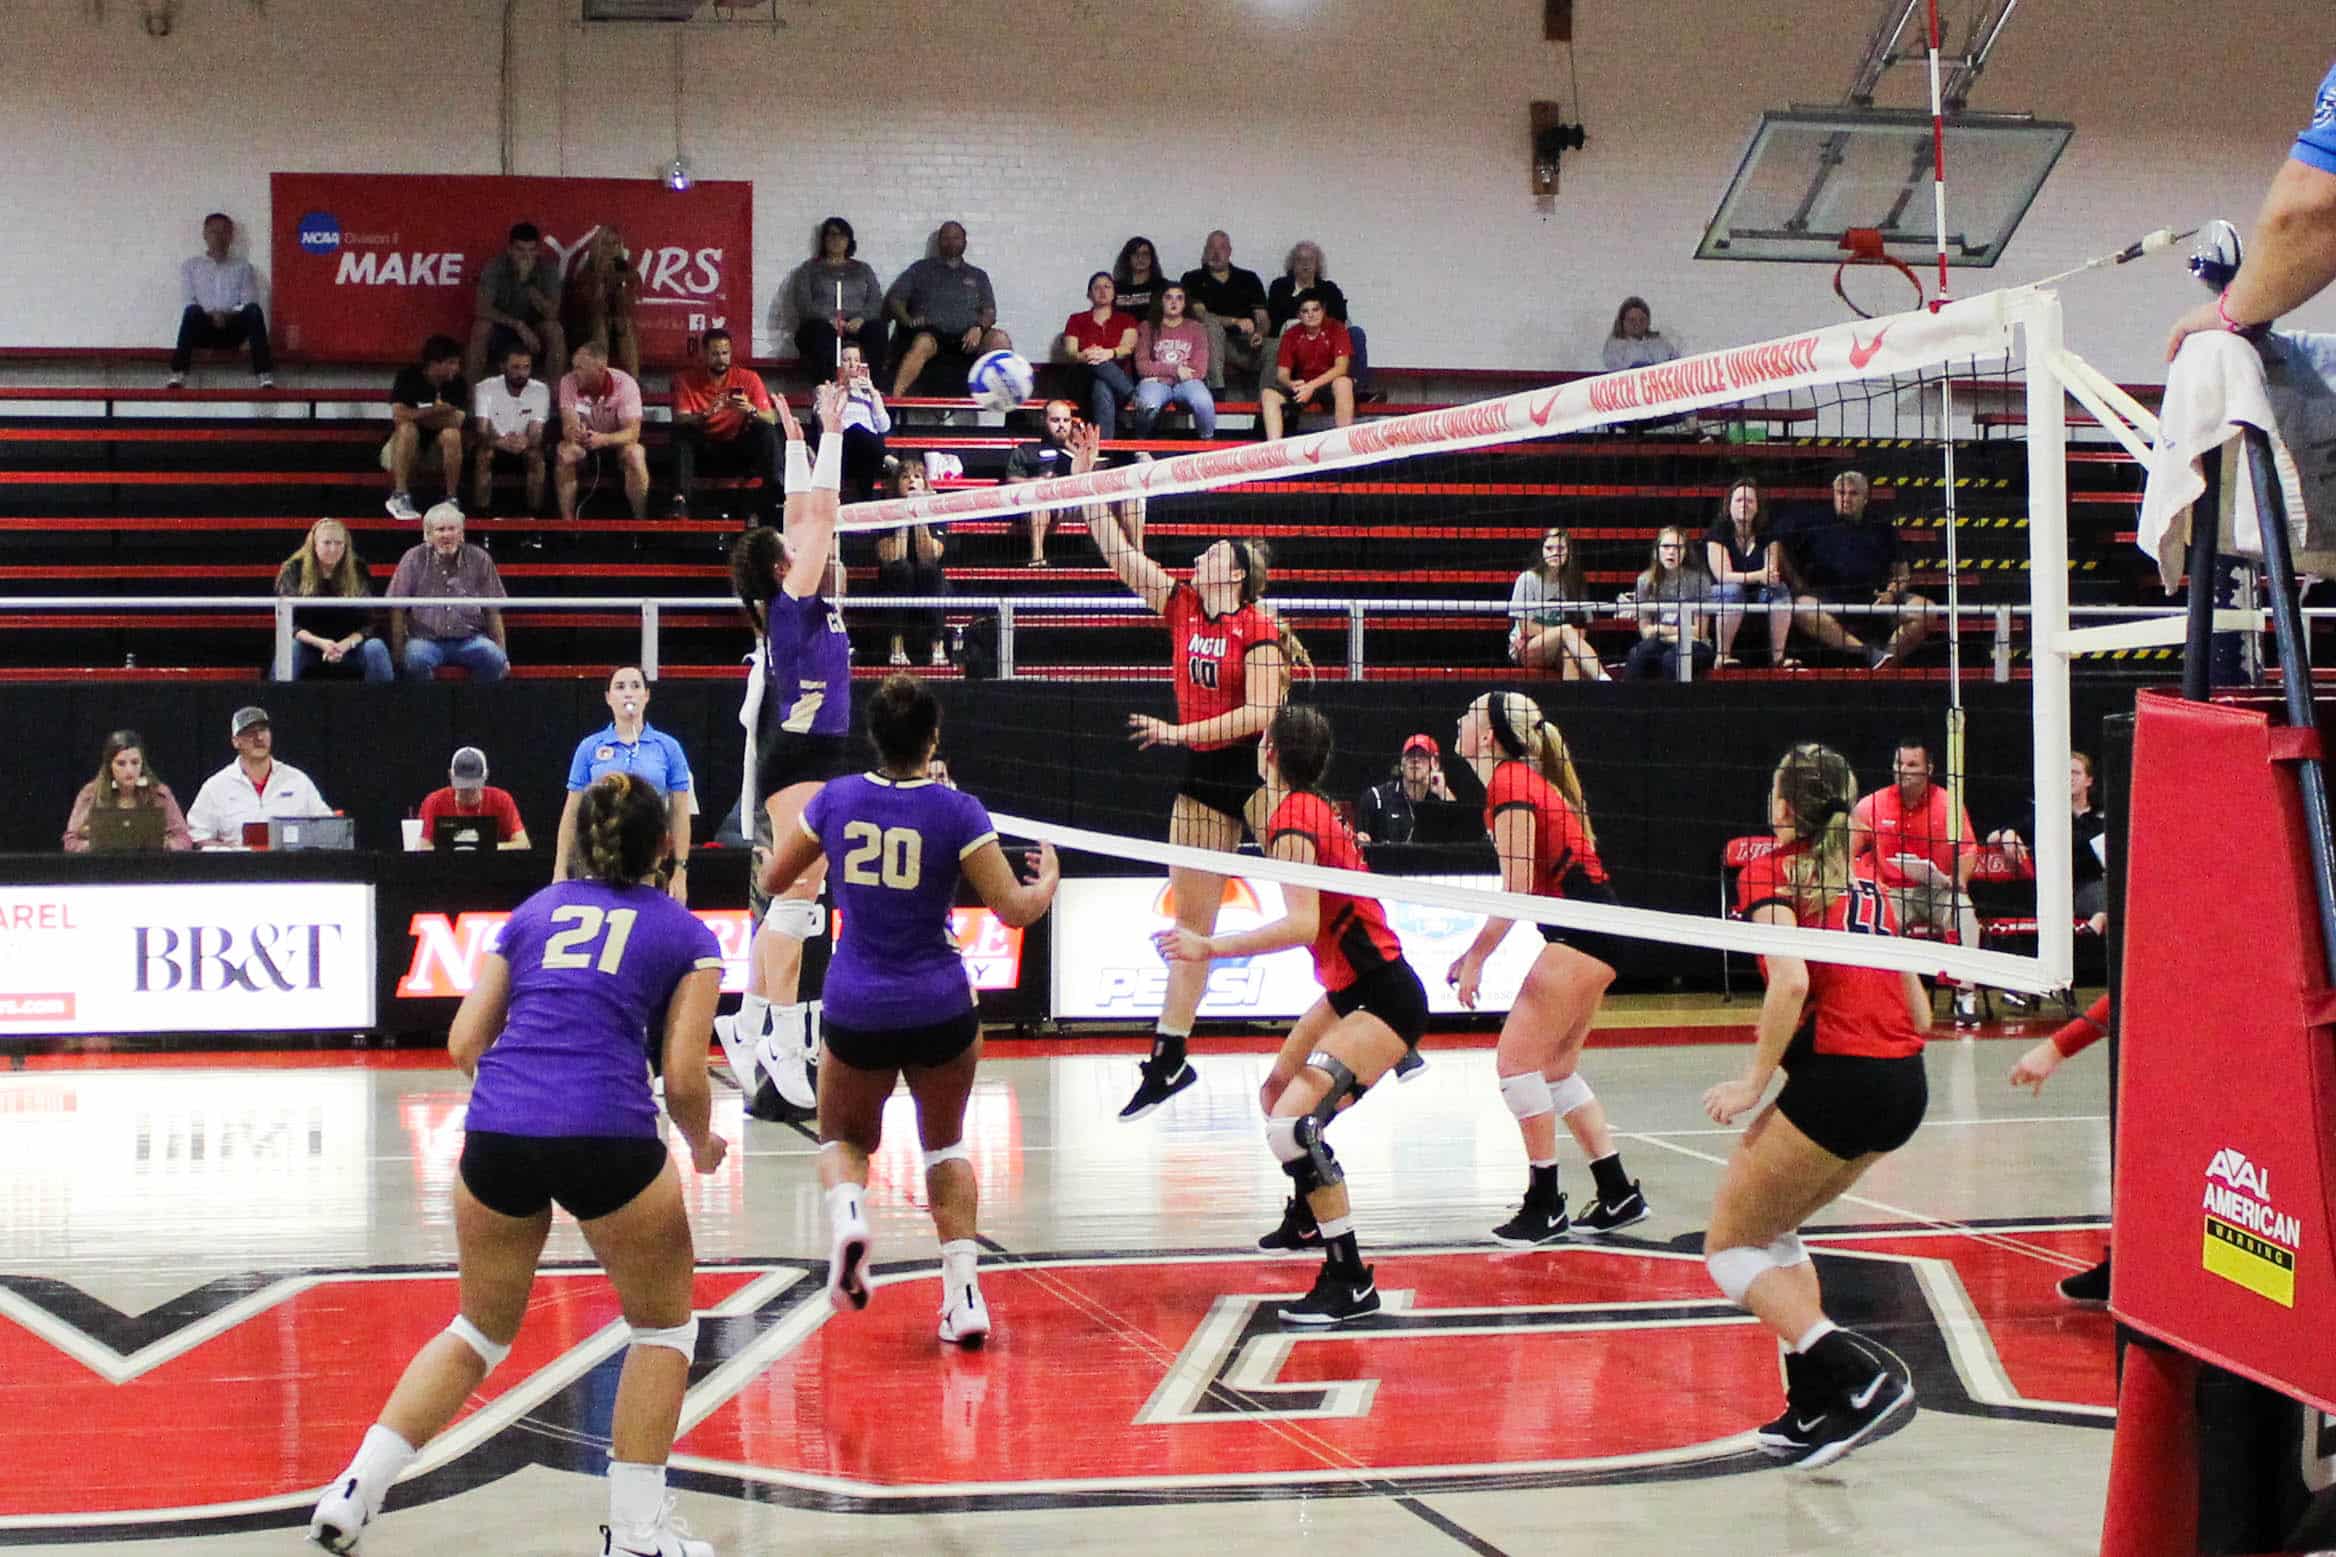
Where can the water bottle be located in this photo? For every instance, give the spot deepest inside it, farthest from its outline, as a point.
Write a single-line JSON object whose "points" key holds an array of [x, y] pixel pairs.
{"points": [[129, 662]]}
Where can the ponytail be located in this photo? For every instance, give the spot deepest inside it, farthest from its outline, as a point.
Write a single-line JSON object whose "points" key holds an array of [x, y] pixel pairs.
{"points": [[1819, 790], [1523, 735], [1256, 573]]}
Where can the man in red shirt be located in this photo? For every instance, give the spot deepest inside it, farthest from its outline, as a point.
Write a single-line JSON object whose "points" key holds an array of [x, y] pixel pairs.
{"points": [[1314, 356], [719, 408], [469, 797], [1922, 852]]}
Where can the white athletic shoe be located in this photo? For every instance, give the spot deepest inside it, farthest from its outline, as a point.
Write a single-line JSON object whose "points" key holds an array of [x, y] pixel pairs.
{"points": [[668, 1537], [737, 1051], [402, 507], [965, 1319], [847, 1262], [341, 1517], [789, 1070]]}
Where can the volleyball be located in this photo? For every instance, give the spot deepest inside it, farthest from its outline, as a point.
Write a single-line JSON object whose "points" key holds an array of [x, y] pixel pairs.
{"points": [[1000, 381]]}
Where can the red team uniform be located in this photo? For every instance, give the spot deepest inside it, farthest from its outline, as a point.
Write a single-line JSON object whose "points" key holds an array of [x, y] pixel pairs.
{"points": [[1565, 861], [1210, 660], [1357, 958]]}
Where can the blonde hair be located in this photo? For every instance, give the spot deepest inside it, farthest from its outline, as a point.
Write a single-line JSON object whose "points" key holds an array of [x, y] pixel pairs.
{"points": [[1544, 746], [1819, 790], [1256, 573], [346, 577]]}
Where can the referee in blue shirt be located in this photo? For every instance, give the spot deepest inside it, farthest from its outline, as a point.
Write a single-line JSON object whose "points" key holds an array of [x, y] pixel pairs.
{"points": [[629, 743], [2292, 255]]}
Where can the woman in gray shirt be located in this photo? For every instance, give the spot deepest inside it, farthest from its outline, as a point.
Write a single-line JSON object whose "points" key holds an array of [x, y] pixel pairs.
{"points": [[1548, 609], [837, 300]]}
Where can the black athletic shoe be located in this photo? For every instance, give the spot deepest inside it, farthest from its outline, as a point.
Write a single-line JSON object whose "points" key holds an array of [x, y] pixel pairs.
{"points": [[1338, 1296], [1864, 1393], [1534, 1225], [1802, 1385], [1604, 1216], [1156, 1088], [1299, 1230], [1412, 1063], [2088, 1288]]}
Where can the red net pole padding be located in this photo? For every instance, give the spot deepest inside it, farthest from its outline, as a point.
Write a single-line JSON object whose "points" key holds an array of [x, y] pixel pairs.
{"points": [[2153, 1466]]}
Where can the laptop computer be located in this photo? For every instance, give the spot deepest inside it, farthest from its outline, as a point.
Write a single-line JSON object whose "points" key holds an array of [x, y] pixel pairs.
{"points": [[312, 832], [1447, 822], [114, 830], [466, 834]]}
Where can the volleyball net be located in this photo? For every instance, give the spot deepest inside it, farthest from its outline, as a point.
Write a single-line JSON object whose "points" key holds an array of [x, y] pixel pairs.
{"points": [[1398, 544]]}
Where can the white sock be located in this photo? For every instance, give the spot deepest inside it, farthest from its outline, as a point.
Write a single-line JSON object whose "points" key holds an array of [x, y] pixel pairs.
{"points": [[381, 1459], [636, 1495], [754, 1017], [959, 1257], [844, 1206], [798, 468], [1337, 1227], [1817, 1332], [1541, 1162], [827, 474]]}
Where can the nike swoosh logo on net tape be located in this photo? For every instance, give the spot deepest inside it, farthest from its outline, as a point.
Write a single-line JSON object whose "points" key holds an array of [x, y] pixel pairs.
{"points": [[1862, 352]]}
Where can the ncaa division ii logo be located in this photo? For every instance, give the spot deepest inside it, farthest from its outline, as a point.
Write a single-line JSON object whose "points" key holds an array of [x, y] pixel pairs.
{"points": [[320, 232]]}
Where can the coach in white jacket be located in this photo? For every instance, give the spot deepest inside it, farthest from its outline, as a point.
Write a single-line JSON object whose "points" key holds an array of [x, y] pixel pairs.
{"points": [[255, 787]]}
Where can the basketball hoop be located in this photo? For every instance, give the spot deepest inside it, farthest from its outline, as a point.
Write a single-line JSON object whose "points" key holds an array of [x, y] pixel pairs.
{"points": [[1866, 253]]}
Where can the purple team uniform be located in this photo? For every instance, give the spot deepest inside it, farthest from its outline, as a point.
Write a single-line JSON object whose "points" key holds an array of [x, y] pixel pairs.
{"points": [[802, 729], [592, 970], [894, 849]]}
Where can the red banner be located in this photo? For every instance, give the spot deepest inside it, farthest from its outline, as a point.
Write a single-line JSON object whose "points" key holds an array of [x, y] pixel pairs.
{"points": [[369, 264]]}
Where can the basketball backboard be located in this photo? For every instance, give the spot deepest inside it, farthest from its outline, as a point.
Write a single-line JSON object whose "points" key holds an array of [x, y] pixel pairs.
{"points": [[1811, 174]]}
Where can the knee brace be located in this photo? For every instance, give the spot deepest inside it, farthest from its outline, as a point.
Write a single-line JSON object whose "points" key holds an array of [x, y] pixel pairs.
{"points": [[682, 1338], [956, 1153], [473, 1337], [1572, 1093], [1734, 1270], [1305, 1156], [1526, 1095], [1342, 1082]]}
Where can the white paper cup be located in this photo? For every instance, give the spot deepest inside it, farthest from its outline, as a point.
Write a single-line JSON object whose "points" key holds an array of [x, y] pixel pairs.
{"points": [[413, 831]]}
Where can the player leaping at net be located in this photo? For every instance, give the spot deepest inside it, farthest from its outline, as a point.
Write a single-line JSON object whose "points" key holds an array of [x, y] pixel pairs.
{"points": [[1371, 1015], [1231, 665], [1540, 826]]}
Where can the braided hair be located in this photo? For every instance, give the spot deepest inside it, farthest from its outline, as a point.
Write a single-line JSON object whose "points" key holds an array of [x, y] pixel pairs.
{"points": [[621, 832]]}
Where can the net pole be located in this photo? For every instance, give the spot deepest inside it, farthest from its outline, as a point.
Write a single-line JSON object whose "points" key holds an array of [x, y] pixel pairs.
{"points": [[1938, 156], [1955, 725], [2038, 316]]}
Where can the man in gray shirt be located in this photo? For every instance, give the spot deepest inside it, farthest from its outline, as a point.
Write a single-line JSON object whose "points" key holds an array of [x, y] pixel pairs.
{"points": [[219, 305], [518, 304], [944, 307], [424, 637]]}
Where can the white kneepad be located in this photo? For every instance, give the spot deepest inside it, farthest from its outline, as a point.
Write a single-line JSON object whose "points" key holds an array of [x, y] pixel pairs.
{"points": [[956, 1153], [682, 1338], [796, 918], [1527, 1095], [1572, 1093], [1734, 1270], [473, 1337], [1282, 1136]]}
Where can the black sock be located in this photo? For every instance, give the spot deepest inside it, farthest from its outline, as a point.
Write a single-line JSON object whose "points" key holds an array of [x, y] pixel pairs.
{"points": [[1344, 1255], [1841, 1362], [1167, 1053], [1613, 1183], [1543, 1190]]}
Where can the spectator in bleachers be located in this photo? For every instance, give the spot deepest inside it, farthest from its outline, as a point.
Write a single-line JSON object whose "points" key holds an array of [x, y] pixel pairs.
{"points": [[1049, 457], [605, 291], [517, 303], [1172, 364], [945, 308], [1845, 557], [1923, 855], [866, 425], [1632, 343], [722, 409], [1303, 272], [1230, 304], [429, 399], [1669, 601], [442, 564], [1389, 812], [908, 562], [1548, 608], [255, 787], [600, 419], [1746, 563], [509, 415], [1101, 339], [341, 640], [219, 305], [2088, 860], [124, 782], [836, 297], [629, 743], [1137, 275], [1314, 356], [468, 796]]}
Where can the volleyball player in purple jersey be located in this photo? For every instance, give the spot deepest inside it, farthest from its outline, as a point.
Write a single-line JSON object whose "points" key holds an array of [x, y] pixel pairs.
{"points": [[555, 1036], [898, 998], [788, 585]]}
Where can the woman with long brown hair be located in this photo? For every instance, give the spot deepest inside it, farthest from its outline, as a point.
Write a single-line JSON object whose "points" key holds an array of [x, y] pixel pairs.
{"points": [[124, 782], [1548, 608], [339, 639]]}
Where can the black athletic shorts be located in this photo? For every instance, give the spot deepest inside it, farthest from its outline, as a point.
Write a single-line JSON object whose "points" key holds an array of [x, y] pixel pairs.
{"points": [[588, 1175], [901, 1048], [1224, 779], [1852, 1104], [1608, 949], [1391, 992], [783, 759]]}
